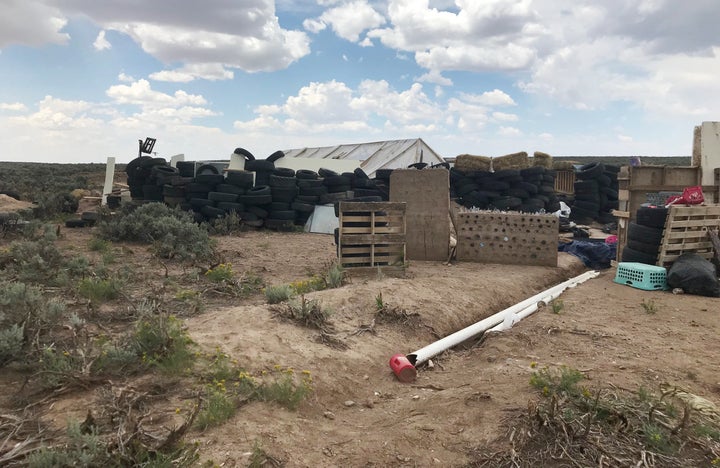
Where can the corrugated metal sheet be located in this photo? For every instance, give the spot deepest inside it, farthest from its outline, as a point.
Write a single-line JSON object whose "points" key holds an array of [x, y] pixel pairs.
{"points": [[390, 154]]}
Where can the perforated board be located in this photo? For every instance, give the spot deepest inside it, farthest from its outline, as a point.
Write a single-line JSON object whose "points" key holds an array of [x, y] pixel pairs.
{"points": [[507, 238]]}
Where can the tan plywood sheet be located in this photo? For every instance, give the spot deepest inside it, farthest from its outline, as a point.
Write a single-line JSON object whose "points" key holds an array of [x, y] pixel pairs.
{"points": [[427, 194]]}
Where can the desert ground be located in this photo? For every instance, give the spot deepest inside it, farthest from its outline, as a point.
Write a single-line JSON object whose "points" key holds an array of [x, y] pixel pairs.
{"points": [[460, 411]]}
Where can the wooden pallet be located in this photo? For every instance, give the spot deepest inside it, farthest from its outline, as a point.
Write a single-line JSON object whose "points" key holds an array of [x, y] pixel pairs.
{"points": [[686, 231], [372, 235]]}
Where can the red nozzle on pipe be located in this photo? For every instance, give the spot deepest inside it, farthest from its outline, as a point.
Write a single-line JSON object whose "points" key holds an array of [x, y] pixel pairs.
{"points": [[402, 368]]}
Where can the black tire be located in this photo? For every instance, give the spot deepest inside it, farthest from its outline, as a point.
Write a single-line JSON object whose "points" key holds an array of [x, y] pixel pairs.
{"points": [[229, 207], [586, 186], [206, 169], [517, 192], [546, 190], [244, 179], [338, 180], [590, 171], [282, 215], [279, 206], [588, 197], [284, 194], [652, 216], [534, 170], [312, 199], [506, 173], [467, 188], [652, 249], [248, 216], [528, 187], [275, 156], [418, 165], [283, 172], [586, 205], [198, 187], [245, 153], [260, 190], [186, 168], [306, 174], [283, 181], [307, 183], [324, 172], [198, 203], [383, 174], [603, 180], [210, 179], [360, 174], [222, 197], [152, 192], [254, 200], [364, 183], [212, 212], [259, 165], [610, 192], [631, 255], [582, 216], [313, 191], [506, 203], [258, 211], [646, 234], [302, 207], [495, 185], [75, 223], [229, 188], [339, 188], [173, 191]]}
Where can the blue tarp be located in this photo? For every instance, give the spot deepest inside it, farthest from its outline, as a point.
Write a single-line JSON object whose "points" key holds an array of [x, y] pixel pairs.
{"points": [[595, 255]]}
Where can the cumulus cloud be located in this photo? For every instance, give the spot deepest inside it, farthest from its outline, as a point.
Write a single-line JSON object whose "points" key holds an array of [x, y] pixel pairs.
{"points": [[324, 106], [348, 20], [509, 131], [244, 35], [13, 106], [31, 23], [101, 43], [191, 72], [495, 97]]}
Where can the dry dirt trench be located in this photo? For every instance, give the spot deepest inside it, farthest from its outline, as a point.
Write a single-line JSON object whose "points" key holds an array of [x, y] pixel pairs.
{"points": [[361, 415]]}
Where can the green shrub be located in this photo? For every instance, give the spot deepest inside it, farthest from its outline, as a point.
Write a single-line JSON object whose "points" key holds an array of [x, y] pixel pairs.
{"points": [[11, 343], [218, 408], [99, 290], [221, 273], [97, 244], [335, 276], [162, 341], [277, 294], [226, 225], [285, 389], [24, 304], [172, 232]]}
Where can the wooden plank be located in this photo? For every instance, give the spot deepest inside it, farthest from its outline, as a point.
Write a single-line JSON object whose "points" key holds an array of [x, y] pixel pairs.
{"points": [[371, 260], [699, 210], [670, 258], [371, 230], [620, 214], [372, 206], [624, 194], [379, 249], [359, 239]]}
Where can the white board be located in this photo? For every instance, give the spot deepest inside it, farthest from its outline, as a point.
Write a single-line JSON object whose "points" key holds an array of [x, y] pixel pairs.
{"points": [[314, 164]]}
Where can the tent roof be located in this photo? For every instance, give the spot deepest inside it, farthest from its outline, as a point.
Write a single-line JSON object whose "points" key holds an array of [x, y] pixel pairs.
{"points": [[374, 155]]}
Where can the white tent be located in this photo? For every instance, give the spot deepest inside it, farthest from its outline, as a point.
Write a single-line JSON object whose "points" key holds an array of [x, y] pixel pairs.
{"points": [[391, 154]]}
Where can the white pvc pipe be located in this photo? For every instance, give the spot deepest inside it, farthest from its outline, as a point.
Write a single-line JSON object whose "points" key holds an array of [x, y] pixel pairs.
{"points": [[501, 320]]}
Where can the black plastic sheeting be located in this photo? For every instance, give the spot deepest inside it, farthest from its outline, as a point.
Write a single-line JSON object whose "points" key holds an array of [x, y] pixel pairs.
{"points": [[594, 254]]}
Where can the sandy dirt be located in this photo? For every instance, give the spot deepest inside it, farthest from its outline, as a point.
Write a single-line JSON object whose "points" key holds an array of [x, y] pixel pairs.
{"points": [[359, 414]]}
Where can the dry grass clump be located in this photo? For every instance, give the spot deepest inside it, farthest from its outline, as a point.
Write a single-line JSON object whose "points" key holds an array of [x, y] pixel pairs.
{"points": [[573, 425], [542, 159]]}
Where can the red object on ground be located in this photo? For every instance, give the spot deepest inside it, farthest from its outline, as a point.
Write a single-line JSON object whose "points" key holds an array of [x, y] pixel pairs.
{"points": [[402, 368]]}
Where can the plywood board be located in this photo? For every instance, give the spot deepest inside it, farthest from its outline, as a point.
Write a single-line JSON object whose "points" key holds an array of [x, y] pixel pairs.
{"points": [[507, 238], [427, 195]]}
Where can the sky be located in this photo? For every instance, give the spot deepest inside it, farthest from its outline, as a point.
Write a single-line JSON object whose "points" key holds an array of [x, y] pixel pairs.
{"points": [[83, 80]]}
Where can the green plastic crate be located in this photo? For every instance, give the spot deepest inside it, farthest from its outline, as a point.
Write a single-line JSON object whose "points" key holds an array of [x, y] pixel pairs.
{"points": [[641, 276]]}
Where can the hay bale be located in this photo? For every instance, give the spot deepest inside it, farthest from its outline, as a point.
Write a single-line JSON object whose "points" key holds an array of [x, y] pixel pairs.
{"points": [[542, 159], [511, 161], [564, 165], [468, 163]]}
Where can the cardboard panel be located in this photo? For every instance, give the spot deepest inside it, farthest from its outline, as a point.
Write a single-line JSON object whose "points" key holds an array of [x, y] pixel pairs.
{"points": [[507, 238], [427, 194]]}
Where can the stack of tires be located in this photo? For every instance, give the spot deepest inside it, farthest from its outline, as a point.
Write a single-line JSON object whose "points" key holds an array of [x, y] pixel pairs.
{"points": [[596, 193], [283, 191], [644, 235], [528, 190], [143, 178]]}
